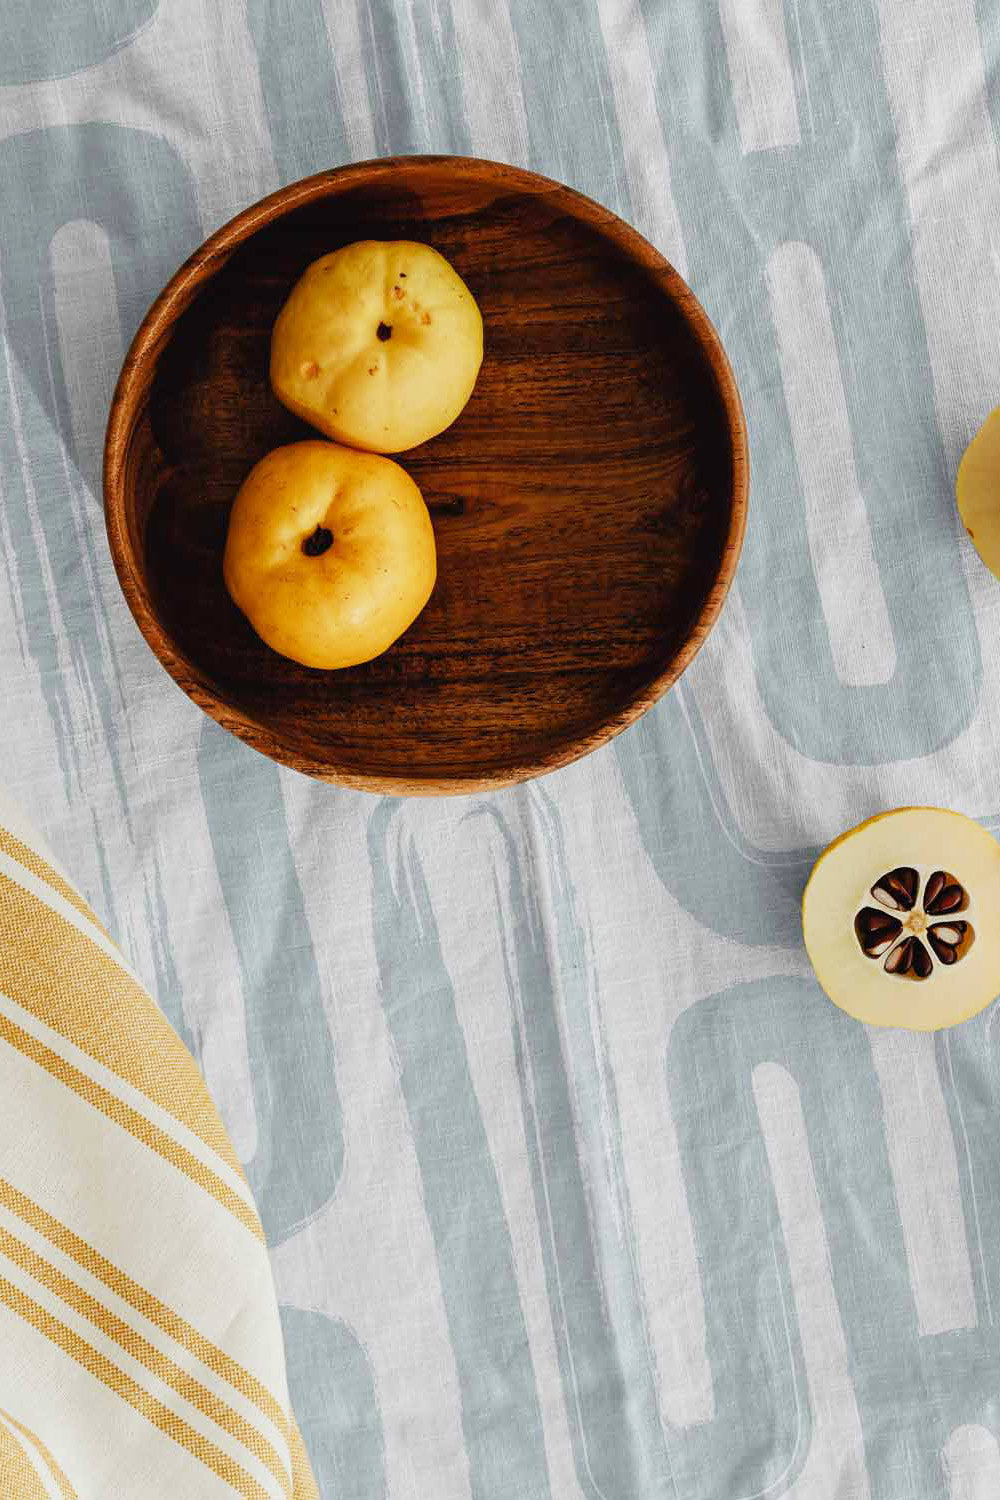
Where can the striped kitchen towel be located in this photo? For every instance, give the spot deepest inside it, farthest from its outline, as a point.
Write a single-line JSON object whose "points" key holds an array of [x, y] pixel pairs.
{"points": [[140, 1345]]}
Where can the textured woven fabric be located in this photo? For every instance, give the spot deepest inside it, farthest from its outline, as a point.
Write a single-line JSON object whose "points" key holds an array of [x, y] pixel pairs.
{"points": [[574, 1182], [140, 1335]]}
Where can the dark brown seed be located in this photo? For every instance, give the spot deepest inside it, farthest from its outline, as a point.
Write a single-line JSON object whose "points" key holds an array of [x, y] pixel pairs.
{"points": [[946, 952], [952, 898], [383, 332], [934, 887], [877, 946], [871, 919], [900, 958], [946, 938], [898, 889], [876, 931], [922, 961], [950, 932]]}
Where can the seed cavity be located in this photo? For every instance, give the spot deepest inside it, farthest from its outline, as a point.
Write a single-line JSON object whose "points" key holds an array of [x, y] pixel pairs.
{"points": [[308, 369], [944, 894], [894, 939], [398, 292], [950, 941], [909, 958], [898, 889], [876, 931], [923, 964]]}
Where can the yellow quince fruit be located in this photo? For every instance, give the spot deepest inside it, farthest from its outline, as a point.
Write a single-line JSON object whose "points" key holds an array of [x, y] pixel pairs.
{"points": [[378, 345], [977, 490], [330, 553]]}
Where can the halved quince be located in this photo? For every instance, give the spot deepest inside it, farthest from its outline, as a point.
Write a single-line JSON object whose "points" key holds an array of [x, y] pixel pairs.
{"points": [[901, 919], [977, 490]]}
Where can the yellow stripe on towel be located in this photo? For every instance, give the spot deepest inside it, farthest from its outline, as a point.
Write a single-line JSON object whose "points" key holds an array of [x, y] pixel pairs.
{"points": [[122, 1384], [19, 1479], [66, 1490], [143, 1301], [64, 979], [131, 1120], [42, 870], [143, 1352]]}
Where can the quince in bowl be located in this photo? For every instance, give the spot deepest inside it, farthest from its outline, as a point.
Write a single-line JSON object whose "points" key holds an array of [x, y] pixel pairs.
{"points": [[329, 553], [378, 345]]}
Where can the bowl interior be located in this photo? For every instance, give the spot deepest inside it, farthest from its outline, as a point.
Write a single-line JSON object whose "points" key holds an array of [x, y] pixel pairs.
{"points": [[582, 502]]}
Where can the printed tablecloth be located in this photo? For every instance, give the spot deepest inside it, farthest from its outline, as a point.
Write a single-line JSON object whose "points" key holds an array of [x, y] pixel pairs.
{"points": [[575, 1184]]}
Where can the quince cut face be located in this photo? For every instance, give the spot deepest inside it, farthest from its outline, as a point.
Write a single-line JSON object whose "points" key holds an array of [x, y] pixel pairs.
{"points": [[901, 919], [378, 345], [977, 490]]}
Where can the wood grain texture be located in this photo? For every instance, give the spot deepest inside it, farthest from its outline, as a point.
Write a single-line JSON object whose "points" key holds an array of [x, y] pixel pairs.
{"points": [[589, 504]]}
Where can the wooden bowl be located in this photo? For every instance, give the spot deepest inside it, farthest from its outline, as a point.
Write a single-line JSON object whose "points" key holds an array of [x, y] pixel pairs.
{"points": [[589, 503]]}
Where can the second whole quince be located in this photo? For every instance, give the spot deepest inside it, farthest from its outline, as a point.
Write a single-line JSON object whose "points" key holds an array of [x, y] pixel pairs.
{"points": [[330, 553]]}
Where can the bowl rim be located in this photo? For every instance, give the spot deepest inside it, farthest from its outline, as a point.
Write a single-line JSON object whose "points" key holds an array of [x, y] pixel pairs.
{"points": [[181, 290]]}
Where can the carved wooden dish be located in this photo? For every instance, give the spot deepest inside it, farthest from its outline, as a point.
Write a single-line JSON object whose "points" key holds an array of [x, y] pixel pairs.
{"points": [[589, 503]]}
